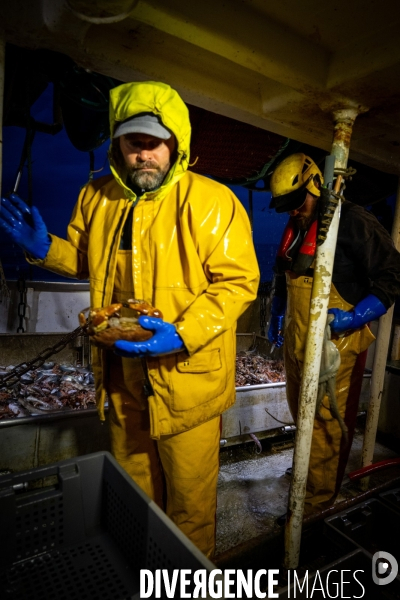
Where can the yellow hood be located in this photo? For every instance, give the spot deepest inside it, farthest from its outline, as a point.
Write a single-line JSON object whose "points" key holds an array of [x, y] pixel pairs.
{"points": [[130, 99]]}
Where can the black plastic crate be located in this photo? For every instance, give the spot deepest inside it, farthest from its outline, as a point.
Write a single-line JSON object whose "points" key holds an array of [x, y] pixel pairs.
{"points": [[318, 550], [357, 585], [372, 525], [392, 498], [82, 529]]}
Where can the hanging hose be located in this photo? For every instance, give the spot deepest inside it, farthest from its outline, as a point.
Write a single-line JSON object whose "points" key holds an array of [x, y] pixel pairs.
{"points": [[330, 363], [257, 443], [370, 469]]}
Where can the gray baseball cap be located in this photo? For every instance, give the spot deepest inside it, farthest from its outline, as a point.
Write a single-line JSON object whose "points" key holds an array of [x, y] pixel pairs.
{"points": [[143, 123]]}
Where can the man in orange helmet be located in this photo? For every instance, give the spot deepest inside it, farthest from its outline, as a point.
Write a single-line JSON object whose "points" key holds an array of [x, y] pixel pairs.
{"points": [[365, 283]]}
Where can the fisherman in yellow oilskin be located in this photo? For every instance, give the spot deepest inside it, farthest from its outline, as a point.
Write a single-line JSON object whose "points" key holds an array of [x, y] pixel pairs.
{"points": [[365, 283], [155, 231]]}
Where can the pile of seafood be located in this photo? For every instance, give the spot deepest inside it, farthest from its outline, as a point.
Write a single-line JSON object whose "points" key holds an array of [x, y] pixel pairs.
{"points": [[53, 387], [254, 369], [56, 387]]}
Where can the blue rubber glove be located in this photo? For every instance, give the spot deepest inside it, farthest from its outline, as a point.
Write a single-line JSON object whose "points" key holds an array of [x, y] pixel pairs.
{"points": [[25, 226], [275, 329], [165, 340], [366, 310]]}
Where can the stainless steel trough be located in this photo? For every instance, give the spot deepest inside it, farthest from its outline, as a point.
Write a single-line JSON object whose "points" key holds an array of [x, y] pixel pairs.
{"points": [[28, 442], [262, 409]]}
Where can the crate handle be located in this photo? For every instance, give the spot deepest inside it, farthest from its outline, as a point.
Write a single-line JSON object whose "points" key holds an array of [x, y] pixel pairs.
{"points": [[50, 481], [50, 476]]}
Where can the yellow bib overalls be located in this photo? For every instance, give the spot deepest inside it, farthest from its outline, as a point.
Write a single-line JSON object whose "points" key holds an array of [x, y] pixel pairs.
{"points": [[189, 460], [329, 450]]}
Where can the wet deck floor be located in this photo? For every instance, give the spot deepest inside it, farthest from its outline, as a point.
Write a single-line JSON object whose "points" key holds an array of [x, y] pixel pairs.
{"points": [[253, 488]]}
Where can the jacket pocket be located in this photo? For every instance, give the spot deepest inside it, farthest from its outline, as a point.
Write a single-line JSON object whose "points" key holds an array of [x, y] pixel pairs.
{"points": [[198, 379], [201, 362]]}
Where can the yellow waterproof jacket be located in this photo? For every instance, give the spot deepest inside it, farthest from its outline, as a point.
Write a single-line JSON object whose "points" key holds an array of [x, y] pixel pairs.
{"points": [[193, 258]]}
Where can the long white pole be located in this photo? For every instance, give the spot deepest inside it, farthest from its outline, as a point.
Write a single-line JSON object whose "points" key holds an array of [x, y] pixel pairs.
{"points": [[379, 365], [323, 268]]}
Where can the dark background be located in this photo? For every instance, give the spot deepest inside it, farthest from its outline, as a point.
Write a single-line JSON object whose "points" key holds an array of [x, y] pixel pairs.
{"points": [[55, 169]]}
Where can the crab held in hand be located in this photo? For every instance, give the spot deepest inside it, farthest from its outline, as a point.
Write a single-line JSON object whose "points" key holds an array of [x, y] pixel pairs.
{"points": [[106, 325]]}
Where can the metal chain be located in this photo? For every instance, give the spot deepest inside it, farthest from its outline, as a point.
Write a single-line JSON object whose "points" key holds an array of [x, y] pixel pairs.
{"points": [[325, 220], [263, 315], [15, 374], [4, 289], [263, 292], [21, 286]]}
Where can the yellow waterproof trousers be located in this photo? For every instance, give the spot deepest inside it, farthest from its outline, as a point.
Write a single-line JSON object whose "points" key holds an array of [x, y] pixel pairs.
{"points": [[329, 449], [179, 472]]}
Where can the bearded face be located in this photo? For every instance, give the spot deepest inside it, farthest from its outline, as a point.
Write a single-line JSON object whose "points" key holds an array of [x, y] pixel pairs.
{"points": [[306, 214], [146, 158], [148, 175]]}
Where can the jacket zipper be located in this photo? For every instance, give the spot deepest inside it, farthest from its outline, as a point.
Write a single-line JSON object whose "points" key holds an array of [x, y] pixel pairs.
{"points": [[109, 255]]}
